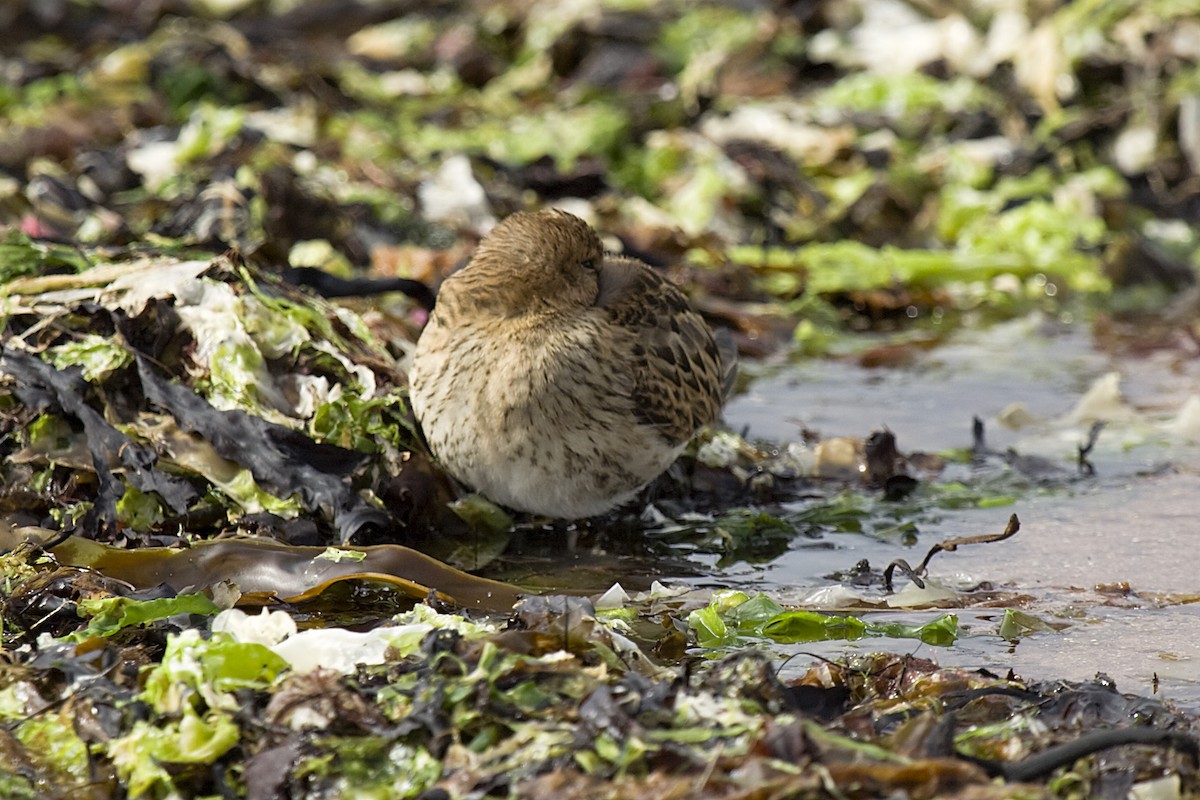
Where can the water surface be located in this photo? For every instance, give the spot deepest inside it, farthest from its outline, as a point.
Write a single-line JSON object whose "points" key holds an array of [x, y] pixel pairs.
{"points": [[1136, 523]]}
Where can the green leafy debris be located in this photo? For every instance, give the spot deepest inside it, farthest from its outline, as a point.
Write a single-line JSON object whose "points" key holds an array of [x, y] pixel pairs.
{"points": [[53, 736], [361, 423], [108, 615], [807, 626], [482, 515], [1017, 624], [912, 100], [49, 433], [372, 767], [19, 255], [98, 356], [18, 787], [200, 673], [138, 510], [752, 535], [520, 138], [143, 757], [851, 266], [337, 554], [734, 617]]}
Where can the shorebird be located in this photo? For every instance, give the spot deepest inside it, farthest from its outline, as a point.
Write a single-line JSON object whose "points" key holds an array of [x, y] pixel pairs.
{"points": [[557, 379]]}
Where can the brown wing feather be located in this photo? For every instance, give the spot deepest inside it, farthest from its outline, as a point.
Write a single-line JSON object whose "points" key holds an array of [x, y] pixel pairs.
{"points": [[676, 368]]}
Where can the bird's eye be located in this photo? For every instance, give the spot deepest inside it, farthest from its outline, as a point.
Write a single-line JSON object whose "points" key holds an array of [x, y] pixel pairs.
{"points": [[588, 263]]}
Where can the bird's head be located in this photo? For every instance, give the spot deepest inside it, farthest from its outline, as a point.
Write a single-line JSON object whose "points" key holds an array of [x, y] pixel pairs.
{"points": [[531, 262]]}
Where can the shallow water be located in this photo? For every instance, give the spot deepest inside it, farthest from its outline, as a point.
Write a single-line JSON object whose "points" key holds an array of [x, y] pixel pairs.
{"points": [[930, 403], [1137, 522]]}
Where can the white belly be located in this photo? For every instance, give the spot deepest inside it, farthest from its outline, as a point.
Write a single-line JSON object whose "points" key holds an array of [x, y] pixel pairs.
{"points": [[564, 442]]}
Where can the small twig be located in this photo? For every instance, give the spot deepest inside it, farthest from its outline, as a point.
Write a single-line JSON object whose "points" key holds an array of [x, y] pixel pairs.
{"points": [[1085, 466], [903, 566], [949, 546], [978, 437]]}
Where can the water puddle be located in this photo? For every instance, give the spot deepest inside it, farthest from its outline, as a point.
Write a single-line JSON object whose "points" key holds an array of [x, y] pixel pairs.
{"points": [[1069, 565], [1106, 557]]}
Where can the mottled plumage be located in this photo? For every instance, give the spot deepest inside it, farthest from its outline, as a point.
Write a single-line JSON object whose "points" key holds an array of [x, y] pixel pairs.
{"points": [[559, 380]]}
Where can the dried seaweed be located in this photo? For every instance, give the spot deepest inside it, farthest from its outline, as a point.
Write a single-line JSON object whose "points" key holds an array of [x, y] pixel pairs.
{"points": [[40, 386], [287, 462], [262, 569]]}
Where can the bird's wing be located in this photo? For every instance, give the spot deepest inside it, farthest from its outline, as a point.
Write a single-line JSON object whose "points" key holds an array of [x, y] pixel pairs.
{"points": [[677, 374]]}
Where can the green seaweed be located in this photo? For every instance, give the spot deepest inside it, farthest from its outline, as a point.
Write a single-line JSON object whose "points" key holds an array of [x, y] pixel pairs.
{"points": [[109, 615], [734, 617]]}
